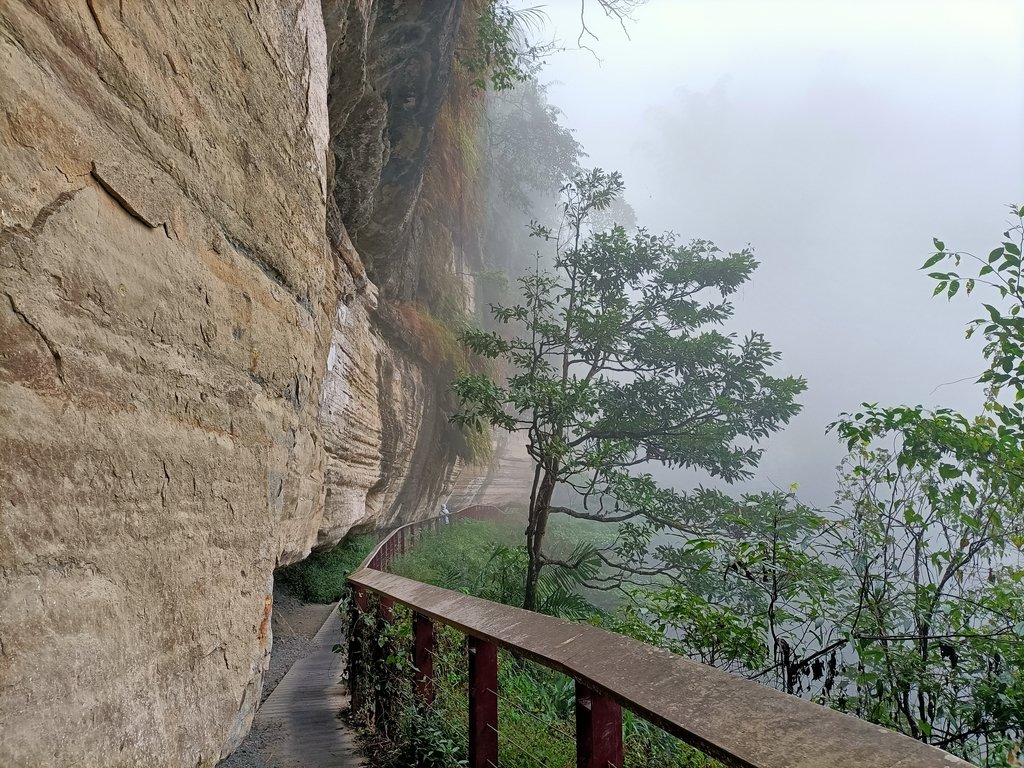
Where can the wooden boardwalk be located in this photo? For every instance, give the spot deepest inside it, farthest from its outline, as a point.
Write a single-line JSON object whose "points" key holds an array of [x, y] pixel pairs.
{"points": [[299, 720]]}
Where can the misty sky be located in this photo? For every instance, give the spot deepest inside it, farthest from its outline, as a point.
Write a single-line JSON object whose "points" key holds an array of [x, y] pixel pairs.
{"points": [[836, 138]]}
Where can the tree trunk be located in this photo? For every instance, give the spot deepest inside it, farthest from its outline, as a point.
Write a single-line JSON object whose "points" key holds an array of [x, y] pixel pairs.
{"points": [[539, 510]]}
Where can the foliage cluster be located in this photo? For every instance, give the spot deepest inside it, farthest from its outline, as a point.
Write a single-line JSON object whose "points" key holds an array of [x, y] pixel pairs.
{"points": [[616, 360], [1003, 325], [499, 52], [504, 50], [530, 155], [938, 538], [894, 607], [434, 340], [320, 578]]}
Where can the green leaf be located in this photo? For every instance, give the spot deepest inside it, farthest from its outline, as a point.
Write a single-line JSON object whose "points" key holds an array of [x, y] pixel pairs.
{"points": [[939, 245], [933, 260], [948, 471], [953, 288], [995, 255], [939, 288]]}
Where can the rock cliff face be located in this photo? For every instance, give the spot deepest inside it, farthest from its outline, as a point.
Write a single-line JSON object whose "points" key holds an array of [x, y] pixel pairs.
{"points": [[195, 386]]}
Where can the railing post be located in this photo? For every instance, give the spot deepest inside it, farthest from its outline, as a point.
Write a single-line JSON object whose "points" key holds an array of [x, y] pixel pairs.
{"points": [[387, 608], [423, 656], [598, 730], [401, 542], [362, 600], [483, 704], [356, 652]]}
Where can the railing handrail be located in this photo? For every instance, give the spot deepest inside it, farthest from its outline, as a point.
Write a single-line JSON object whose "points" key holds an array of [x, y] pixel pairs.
{"points": [[465, 512], [737, 721]]}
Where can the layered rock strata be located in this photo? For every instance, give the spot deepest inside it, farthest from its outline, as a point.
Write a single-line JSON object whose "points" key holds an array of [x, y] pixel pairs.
{"points": [[190, 358]]}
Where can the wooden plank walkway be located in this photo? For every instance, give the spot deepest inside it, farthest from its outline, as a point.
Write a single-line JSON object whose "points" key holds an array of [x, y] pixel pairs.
{"points": [[300, 718]]}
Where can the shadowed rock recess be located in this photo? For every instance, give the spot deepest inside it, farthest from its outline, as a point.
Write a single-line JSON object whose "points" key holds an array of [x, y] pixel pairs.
{"points": [[195, 386]]}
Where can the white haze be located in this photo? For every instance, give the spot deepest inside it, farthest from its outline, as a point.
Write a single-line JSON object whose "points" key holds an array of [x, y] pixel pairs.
{"points": [[837, 138]]}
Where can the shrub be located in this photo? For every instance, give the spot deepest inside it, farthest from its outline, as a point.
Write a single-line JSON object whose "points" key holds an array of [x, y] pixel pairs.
{"points": [[320, 578], [433, 340]]}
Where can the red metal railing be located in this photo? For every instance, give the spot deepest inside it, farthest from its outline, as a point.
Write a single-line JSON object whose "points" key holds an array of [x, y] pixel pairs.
{"points": [[397, 542], [736, 721]]}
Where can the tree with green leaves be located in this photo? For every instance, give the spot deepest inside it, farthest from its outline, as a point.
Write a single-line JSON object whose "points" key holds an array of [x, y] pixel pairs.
{"points": [[1003, 326], [529, 157], [932, 542], [935, 537], [506, 50], [529, 153], [615, 359], [758, 594], [903, 604]]}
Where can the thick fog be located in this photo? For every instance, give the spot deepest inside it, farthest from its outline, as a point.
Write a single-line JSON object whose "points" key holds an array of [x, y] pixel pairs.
{"points": [[837, 138]]}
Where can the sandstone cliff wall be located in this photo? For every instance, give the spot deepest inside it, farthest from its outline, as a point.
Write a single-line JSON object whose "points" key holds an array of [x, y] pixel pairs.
{"points": [[194, 385]]}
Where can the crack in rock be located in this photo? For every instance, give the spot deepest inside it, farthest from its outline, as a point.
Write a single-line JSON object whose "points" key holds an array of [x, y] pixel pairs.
{"points": [[58, 361], [122, 201], [33, 230]]}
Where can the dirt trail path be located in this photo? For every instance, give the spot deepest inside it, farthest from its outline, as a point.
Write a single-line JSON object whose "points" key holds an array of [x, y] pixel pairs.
{"points": [[297, 724], [294, 625]]}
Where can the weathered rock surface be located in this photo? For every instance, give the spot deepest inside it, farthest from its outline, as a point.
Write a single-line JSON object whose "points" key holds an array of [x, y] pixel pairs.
{"points": [[387, 457], [188, 347], [381, 127]]}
